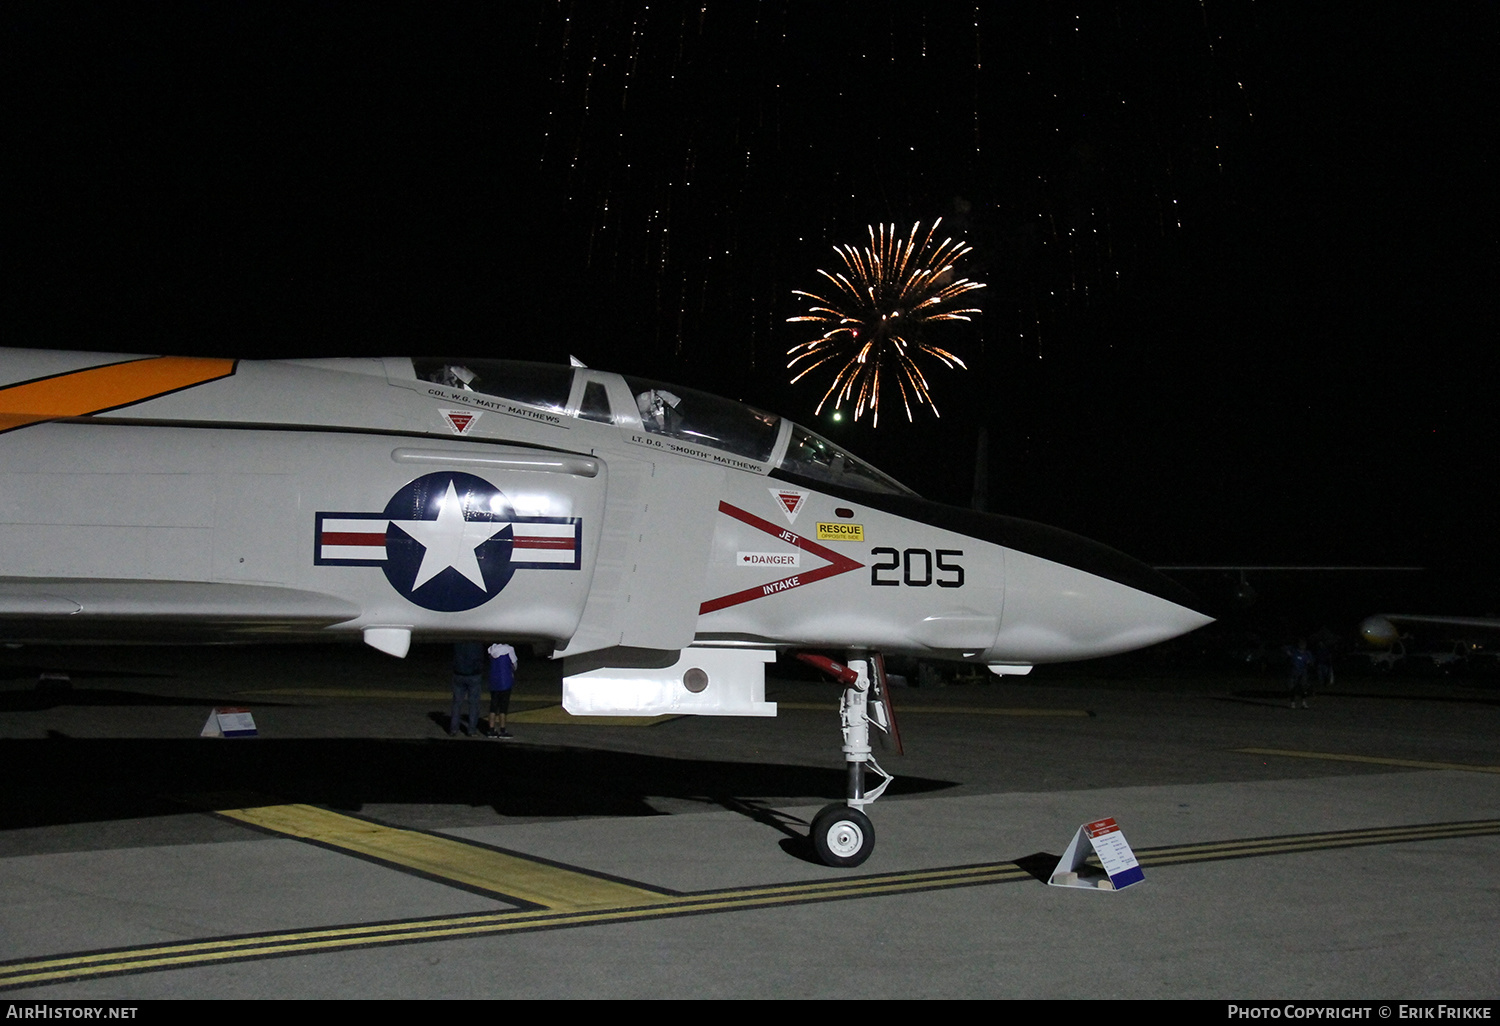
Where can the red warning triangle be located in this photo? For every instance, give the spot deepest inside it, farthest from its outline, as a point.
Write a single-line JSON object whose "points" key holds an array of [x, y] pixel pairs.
{"points": [[791, 501]]}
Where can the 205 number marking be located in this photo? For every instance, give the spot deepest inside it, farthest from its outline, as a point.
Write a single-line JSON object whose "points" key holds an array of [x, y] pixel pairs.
{"points": [[916, 566]]}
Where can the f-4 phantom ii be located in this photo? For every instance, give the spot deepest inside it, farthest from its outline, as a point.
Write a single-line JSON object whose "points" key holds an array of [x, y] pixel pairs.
{"points": [[664, 543]]}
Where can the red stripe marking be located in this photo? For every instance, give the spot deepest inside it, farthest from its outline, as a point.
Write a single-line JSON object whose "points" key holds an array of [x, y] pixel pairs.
{"points": [[838, 563], [541, 542], [348, 538]]}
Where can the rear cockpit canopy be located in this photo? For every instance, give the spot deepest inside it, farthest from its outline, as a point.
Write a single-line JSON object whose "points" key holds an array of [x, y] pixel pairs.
{"points": [[542, 385], [665, 412]]}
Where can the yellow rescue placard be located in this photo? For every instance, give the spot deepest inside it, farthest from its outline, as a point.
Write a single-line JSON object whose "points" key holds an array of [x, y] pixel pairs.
{"points": [[841, 532]]}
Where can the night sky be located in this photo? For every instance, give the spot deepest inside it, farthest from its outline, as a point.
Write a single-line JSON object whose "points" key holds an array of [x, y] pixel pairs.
{"points": [[1240, 258]]}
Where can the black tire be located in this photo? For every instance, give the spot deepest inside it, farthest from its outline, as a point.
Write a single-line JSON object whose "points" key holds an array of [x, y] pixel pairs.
{"points": [[842, 836]]}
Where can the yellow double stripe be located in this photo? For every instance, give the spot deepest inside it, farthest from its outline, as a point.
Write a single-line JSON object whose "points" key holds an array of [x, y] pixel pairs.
{"points": [[80, 393], [550, 710], [576, 892], [229, 949], [1257, 847], [953, 710], [1369, 760]]}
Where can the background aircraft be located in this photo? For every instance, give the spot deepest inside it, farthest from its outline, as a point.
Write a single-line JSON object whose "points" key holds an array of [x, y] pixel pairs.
{"points": [[1381, 629], [665, 543], [1457, 646]]}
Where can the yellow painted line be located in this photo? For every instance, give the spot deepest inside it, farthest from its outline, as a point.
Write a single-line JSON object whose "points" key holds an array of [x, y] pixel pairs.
{"points": [[1257, 847], [1336, 836], [145, 958], [1371, 760], [447, 858], [361, 694], [79, 393], [367, 693], [543, 710], [309, 941], [964, 710], [550, 710], [890, 883], [557, 714], [492, 922], [968, 710]]}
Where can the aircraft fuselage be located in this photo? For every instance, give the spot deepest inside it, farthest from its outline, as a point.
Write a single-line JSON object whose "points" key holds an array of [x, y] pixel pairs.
{"points": [[618, 521]]}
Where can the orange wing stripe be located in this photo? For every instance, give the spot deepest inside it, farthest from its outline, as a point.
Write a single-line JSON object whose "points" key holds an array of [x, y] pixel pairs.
{"points": [[80, 393]]}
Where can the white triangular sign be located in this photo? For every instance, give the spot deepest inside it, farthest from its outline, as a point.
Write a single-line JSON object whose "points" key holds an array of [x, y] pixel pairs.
{"points": [[229, 722], [1117, 867], [461, 421], [789, 501]]}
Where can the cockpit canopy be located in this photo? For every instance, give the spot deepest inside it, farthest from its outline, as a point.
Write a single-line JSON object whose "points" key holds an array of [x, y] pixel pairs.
{"points": [[669, 411], [543, 385]]}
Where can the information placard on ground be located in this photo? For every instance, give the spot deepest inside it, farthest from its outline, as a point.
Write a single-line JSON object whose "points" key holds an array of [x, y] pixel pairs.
{"points": [[229, 722], [1117, 867]]}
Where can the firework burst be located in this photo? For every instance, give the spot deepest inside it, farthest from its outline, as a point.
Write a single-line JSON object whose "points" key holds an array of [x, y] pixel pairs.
{"points": [[880, 305]]}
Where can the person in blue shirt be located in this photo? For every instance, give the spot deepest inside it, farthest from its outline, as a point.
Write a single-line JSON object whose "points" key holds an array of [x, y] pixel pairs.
{"points": [[502, 679]]}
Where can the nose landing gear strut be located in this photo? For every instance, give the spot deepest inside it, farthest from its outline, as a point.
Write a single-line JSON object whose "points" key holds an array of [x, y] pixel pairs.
{"points": [[842, 834]]}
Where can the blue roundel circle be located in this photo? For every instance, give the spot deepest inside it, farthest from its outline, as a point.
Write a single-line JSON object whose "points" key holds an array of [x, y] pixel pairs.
{"points": [[448, 543]]}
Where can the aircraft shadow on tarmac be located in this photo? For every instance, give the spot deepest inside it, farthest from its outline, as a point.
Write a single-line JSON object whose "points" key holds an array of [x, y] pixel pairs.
{"points": [[61, 780]]}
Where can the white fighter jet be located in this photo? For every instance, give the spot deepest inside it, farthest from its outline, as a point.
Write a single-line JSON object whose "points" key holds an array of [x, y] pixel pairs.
{"points": [[664, 543]]}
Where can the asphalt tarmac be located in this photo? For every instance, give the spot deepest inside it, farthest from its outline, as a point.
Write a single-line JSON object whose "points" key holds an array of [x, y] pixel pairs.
{"points": [[352, 849]]}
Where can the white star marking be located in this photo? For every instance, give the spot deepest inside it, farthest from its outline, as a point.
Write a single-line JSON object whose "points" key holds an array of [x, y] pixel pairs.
{"points": [[450, 540]]}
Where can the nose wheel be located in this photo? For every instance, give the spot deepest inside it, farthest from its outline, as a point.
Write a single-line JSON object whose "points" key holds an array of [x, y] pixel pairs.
{"points": [[842, 836]]}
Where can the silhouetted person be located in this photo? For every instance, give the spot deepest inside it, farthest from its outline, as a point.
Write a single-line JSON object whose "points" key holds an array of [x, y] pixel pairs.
{"points": [[1301, 661], [468, 679]]}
